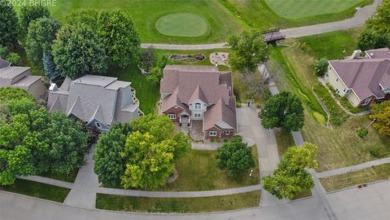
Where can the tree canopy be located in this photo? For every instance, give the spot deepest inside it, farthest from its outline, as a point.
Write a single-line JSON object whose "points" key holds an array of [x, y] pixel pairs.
{"points": [[235, 157], [109, 165], [41, 34], [290, 178], [78, 51], [283, 110], [116, 30], [320, 67], [33, 141], [370, 39], [8, 24], [381, 114], [29, 14], [247, 51]]}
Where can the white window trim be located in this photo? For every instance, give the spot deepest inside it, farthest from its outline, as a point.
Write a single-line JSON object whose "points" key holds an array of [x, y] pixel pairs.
{"points": [[198, 105], [367, 100], [197, 115], [213, 133], [172, 116]]}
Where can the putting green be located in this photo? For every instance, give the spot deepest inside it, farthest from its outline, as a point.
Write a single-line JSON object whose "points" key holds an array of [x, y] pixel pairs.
{"points": [[294, 9], [182, 25]]}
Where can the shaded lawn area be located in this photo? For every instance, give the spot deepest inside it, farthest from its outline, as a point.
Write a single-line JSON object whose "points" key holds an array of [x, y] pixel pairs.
{"points": [[284, 140], [38, 190], [145, 14], [179, 205], [339, 146], [146, 93], [372, 174], [67, 178], [257, 14], [198, 171]]}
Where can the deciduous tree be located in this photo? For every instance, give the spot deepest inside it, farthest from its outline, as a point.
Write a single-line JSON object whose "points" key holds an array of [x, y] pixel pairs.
{"points": [[41, 34], [8, 23], [235, 157], [283, 110], [381, 114], [380, 21], [109, 166], [29, 14], [247, 51], [320, 67], [78, 51], [290, 178], [369, 39]]}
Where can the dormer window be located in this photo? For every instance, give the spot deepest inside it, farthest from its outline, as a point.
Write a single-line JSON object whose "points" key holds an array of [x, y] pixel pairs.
{"points": [[198, 106]]}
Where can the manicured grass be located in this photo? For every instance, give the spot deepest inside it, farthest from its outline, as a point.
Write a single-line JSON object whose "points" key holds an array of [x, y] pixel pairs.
{"points": [[258, 14], [182, 25], [284, 140], [38, 190], [67, 178], [309, 8], [372, 174], [146, 93], [198, 171], [332, 45], [340, 146], [145, 14], [179, 205]]}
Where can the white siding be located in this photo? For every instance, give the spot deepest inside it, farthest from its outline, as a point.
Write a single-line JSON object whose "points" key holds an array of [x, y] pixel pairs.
{"points": [[353, 99], [336, 82]]}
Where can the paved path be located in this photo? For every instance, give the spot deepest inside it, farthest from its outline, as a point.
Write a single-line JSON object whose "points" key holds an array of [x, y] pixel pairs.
{"points": [[353, 168], [357, 20], [192, 194], [250, 128], [83, 192], [369, 203]]}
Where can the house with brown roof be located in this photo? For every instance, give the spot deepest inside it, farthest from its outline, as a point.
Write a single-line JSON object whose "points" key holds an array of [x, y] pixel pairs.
{"points": [[362, 78], [97, 101], [20, 77], [200, 94]]}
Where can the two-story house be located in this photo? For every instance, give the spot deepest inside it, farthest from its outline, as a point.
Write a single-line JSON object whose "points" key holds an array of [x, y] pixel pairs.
{"points": [[200, 93]]}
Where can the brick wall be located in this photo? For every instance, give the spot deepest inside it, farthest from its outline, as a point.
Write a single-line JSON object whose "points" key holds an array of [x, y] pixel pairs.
{"points": [[221, 134], [174, 110]]}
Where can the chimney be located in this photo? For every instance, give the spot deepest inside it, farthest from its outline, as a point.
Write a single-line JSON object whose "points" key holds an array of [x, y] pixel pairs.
{"points": [[356, 54], [53, 87]]}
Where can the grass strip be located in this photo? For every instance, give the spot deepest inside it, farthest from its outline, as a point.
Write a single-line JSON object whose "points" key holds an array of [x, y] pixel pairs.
{"points": [[367, 175], [39, 190], [178, 205]]}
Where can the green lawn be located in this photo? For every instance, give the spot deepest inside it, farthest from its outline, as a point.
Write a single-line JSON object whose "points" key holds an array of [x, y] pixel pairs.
{"points": [[339, 146], [258, 14], [38, 190], [284, 140], [372, 174], [145, 14], [182, 25], [198, 171], [293, 9], [179, 205], [146, 93]]}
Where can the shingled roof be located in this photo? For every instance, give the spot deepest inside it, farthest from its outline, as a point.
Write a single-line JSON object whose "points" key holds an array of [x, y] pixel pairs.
{"points": [[184, 84], [366, 77]]}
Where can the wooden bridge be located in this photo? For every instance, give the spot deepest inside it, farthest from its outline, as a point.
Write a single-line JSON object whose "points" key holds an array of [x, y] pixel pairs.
{"points": [[273, 35]]}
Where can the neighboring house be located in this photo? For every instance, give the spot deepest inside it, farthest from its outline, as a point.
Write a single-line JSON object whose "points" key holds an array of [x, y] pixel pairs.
{"points": [[97, 101], [200, 93], [16, 76], [362, 79]]}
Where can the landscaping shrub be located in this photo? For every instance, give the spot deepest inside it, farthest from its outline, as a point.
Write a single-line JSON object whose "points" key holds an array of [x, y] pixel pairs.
{"points": [[362, 132], [320, 67], [376, 152], [337, 115], [238, 104]]}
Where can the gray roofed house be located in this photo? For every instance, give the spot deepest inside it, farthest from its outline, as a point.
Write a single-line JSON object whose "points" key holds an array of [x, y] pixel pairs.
{"points": [[362, 80], [20, 77], [98, 101], [200, 94]]}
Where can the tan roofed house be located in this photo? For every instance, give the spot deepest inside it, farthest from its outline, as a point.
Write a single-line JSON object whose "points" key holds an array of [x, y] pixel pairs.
{"points": [[202, 94], [362, 79], [98, 101], [20, 77]]}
